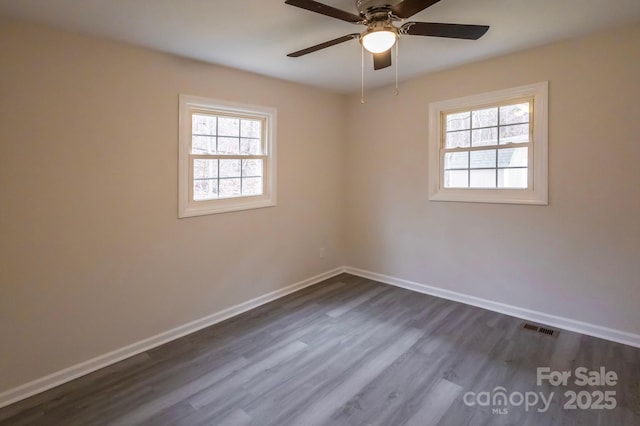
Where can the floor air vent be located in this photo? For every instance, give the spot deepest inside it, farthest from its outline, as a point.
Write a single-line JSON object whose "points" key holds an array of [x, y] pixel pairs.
{"points": [[543, 330], [548, 331]]}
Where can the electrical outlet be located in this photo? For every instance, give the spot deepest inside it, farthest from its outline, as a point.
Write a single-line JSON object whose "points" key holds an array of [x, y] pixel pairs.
{"points": [[322, 252]]}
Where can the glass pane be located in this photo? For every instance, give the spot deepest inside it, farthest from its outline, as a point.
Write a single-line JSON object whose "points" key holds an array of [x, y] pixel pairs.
{"points": [[485, 137], [485, 117], [459, 121], [250, 147], [456, 160], [229, 168], [229, 188], [205, 169], [203, 124], [513, 157], [458, 139], [228, 126], [512, 114], [205, 189], [250, 128], [512, 178], [456, 179], [251, 168], [229, 146], [483, 178], [252, 186], [514, 134], [483, 159], [203, 145]]}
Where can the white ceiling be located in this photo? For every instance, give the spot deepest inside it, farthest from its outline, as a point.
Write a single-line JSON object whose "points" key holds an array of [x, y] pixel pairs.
{"points": [[256, 35]]}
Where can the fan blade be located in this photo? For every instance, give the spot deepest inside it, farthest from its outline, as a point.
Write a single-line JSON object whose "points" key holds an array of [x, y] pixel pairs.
{"points": [[435, 29], [323, 9], [408, 8], [382, 60], [323, 45]]}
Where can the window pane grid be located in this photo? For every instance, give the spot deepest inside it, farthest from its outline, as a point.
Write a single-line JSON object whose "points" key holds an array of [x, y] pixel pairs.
{"points": [[244, 177], [226, 135], [482, 128], [475, 170], [484, 147], [511, 125], [487, 147], [227, 156], [227, 177]]}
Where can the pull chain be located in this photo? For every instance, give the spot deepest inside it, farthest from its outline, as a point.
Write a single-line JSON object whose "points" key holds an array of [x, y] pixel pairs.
{"points": [[362, 73], [397, 92]]}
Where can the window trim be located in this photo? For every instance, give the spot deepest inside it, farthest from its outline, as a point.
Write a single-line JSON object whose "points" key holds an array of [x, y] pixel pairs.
{"points": [[187, 207], [537, 193]]}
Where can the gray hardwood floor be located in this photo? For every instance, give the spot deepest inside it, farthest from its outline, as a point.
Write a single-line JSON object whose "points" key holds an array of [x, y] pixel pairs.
{"points": [[348, 351]]}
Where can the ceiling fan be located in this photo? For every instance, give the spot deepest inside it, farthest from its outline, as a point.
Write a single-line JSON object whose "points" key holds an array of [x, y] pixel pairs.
{"points": [[381, 33]]}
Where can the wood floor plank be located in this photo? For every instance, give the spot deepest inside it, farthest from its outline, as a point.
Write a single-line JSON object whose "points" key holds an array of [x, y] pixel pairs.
{"points": [[346, 307], [237, 418], [317, 374], [436, 403], [159, 403], [348, 351], [393, 396], [327, 404], [214, 393]]}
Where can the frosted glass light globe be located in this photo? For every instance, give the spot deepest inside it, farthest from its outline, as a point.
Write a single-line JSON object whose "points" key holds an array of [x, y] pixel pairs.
{"points": [[379, 41]]}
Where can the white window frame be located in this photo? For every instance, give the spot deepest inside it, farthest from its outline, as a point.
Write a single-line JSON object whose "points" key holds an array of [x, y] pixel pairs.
{"points": [[187, 206], [537, 191]]}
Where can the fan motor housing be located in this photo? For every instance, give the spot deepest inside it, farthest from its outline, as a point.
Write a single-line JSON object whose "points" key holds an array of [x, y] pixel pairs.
{"points": [[366, 6]]}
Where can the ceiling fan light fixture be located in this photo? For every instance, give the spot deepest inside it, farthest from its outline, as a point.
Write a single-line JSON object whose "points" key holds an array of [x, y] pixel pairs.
{"points": [[381, 35], [379, 39]]}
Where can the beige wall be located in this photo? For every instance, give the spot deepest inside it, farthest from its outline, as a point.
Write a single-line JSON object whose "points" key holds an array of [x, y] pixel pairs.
{"points": [[93, 257], [579, 257]]}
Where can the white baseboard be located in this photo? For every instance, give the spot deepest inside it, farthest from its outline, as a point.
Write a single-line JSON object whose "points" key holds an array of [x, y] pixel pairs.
{"points": [[45, 383], [78, 370], [514, 311]]}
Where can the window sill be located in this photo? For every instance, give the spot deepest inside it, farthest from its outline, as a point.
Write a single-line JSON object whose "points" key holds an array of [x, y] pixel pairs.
{"points": [[491, 196], [200, 208]]}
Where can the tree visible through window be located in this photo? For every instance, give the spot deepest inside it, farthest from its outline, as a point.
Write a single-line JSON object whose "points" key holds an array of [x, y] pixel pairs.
{"points": [[232, 160]]}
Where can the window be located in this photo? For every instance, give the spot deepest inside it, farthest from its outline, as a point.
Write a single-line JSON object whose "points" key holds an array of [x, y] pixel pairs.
{"points": [[226, 156], [490, 148]]}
